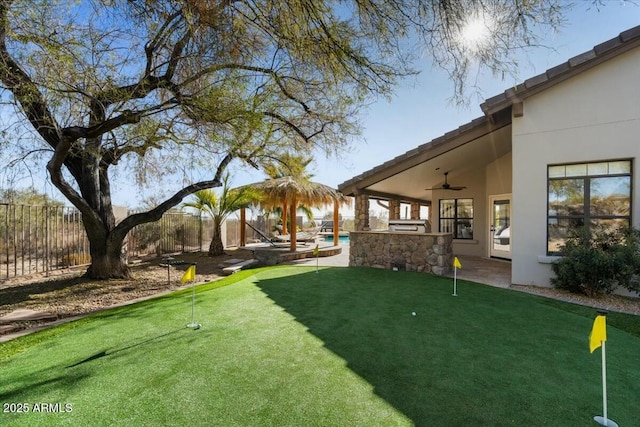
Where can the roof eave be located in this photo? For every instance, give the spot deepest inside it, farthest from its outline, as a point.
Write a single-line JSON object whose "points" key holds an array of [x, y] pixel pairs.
{"points": [[605, 51], [460, 136]]}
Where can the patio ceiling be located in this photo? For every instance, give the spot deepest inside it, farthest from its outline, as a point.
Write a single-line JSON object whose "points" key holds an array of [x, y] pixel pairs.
{"points": [[471, 146]]}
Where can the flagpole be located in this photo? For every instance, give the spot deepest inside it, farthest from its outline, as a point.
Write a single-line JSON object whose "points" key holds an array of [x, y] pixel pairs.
{"points": [[193, 302], [455, 280], [456, 265], [604, 419], [193, 324], [604, 384], [316, 252]]}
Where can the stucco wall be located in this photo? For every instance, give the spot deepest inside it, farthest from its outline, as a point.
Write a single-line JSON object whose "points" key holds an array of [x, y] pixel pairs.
{"points": [[475, 181], [593, 116], [499, 176]]}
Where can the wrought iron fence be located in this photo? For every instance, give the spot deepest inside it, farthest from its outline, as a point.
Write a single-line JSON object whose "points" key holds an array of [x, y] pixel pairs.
{"points": [[266, 227], [36, 239], [174, 232], [42, 239]]}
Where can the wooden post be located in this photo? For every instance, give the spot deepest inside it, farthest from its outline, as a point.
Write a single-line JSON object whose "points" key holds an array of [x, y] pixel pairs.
{"points": [[293, 230], [284, 218], [243, 226], [336, 228]]}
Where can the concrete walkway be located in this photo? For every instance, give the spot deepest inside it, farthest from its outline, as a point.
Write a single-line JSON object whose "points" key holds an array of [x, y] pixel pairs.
{"points": [[487, 271]]}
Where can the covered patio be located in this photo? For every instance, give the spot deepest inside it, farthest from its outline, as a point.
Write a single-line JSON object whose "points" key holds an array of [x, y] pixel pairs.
{"points": [[471, 202]]}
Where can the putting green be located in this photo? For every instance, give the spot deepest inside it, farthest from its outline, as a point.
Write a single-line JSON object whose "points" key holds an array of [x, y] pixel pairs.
{"points": [[289, 346]]}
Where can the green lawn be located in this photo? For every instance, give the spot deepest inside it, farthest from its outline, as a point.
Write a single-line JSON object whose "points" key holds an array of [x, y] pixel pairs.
{"points": [[292, 347]]}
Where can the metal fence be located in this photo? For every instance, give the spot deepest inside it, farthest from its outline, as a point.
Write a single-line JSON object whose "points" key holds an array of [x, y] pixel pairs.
{"points": [[174, 232], [260, 223], [36, 239], [42, 239]]}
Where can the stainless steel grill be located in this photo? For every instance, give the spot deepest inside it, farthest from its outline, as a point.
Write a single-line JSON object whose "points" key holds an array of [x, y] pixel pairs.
{"points": [[409, 225]]}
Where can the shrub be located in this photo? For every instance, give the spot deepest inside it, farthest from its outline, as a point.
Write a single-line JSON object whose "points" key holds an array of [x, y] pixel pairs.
{"points": [[600, 262]]}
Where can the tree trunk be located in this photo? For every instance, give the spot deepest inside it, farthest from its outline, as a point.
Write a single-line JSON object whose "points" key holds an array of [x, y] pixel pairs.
{"points": [[216, 247], [108, 258]]}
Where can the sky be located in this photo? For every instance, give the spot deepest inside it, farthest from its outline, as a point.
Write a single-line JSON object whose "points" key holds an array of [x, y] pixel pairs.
{"points": [[420, 109]]}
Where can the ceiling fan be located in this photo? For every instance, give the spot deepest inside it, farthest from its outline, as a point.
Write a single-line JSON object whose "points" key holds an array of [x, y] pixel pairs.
{"points": [[446, 185]]}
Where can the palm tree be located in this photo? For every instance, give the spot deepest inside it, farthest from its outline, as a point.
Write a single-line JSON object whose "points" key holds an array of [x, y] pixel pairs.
{"points": [[289, 186], [291, 166], [220, 207]]}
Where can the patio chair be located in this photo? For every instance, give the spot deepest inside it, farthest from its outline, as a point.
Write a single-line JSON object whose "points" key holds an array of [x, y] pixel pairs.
{"points": [[301, 237]]}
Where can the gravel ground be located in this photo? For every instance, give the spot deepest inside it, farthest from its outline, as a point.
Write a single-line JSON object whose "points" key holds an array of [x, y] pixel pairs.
{"points": [[71, 295], [608, 302]]}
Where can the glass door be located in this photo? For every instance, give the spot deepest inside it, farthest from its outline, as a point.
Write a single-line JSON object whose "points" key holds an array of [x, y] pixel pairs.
{"points": [[500, 234]]}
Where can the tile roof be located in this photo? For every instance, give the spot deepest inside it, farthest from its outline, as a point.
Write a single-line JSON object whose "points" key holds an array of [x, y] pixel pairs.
{"points": [[625, 41], [604, 51]]}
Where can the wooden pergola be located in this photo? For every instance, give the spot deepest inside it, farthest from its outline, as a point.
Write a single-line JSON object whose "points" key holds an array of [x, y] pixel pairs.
{"points": [[289, 193]]}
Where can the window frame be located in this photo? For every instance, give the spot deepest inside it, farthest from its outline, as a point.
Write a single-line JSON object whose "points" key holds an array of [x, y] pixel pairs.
{"points": [[456, 219], [586, 178]]}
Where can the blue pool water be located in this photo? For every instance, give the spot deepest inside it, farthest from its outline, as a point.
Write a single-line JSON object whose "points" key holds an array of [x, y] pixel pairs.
{"points": [[341, 239]]}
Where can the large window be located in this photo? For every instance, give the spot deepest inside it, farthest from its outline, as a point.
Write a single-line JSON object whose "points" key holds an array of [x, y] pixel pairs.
{"points": [[590, 195], [456, 217]]}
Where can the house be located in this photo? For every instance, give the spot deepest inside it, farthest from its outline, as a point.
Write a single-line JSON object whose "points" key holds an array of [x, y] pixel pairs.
{"points": [[556, 151]]}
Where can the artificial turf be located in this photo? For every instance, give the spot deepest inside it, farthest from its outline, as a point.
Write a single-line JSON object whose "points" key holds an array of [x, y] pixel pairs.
{"points": [[292, 347]]}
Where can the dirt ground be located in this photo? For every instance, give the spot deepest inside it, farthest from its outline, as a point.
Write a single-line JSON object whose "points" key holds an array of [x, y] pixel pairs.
{"points": [[69, 294]]}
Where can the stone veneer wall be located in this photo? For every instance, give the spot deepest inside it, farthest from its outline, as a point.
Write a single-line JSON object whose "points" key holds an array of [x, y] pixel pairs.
{"points": [[415, 211], [362, 212], [394, 209], [423, 252]]}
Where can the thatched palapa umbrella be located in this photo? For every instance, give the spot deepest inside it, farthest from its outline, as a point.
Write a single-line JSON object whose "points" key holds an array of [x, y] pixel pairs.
{"points": [[289, 192]]}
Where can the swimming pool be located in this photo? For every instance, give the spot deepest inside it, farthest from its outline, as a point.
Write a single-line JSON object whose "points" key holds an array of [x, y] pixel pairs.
{"points": [[341, 239]]}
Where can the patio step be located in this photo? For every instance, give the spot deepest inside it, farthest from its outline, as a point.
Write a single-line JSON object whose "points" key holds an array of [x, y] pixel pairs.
{"points": [[239, 266]]}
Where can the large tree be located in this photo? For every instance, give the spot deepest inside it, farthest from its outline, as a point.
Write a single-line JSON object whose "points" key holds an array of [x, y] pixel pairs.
{"points": [[156, 84]]}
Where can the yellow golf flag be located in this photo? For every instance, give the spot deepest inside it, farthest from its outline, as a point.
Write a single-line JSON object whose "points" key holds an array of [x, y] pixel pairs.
{"points": [[598, 333], [456, 262], [316, 251], [189, 275]]}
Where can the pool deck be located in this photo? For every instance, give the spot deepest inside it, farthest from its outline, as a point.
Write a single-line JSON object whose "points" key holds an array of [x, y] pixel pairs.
{"points": [[340, 260]]}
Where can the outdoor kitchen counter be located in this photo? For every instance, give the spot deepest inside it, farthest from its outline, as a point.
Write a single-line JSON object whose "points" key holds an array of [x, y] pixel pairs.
{"points": [[412, 251]]}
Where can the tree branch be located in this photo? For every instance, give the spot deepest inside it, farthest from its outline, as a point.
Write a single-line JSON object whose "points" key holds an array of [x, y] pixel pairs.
{"points": [[54, 167], [24, 89], [156, 213], [287, 122], [77, 132]]}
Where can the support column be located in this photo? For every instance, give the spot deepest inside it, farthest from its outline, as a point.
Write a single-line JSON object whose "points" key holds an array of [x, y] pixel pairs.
{"points": [[293, 231], [394, 209], [415, 211], [243, 226], [284, 218], [362, 212], [336, 228]]}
